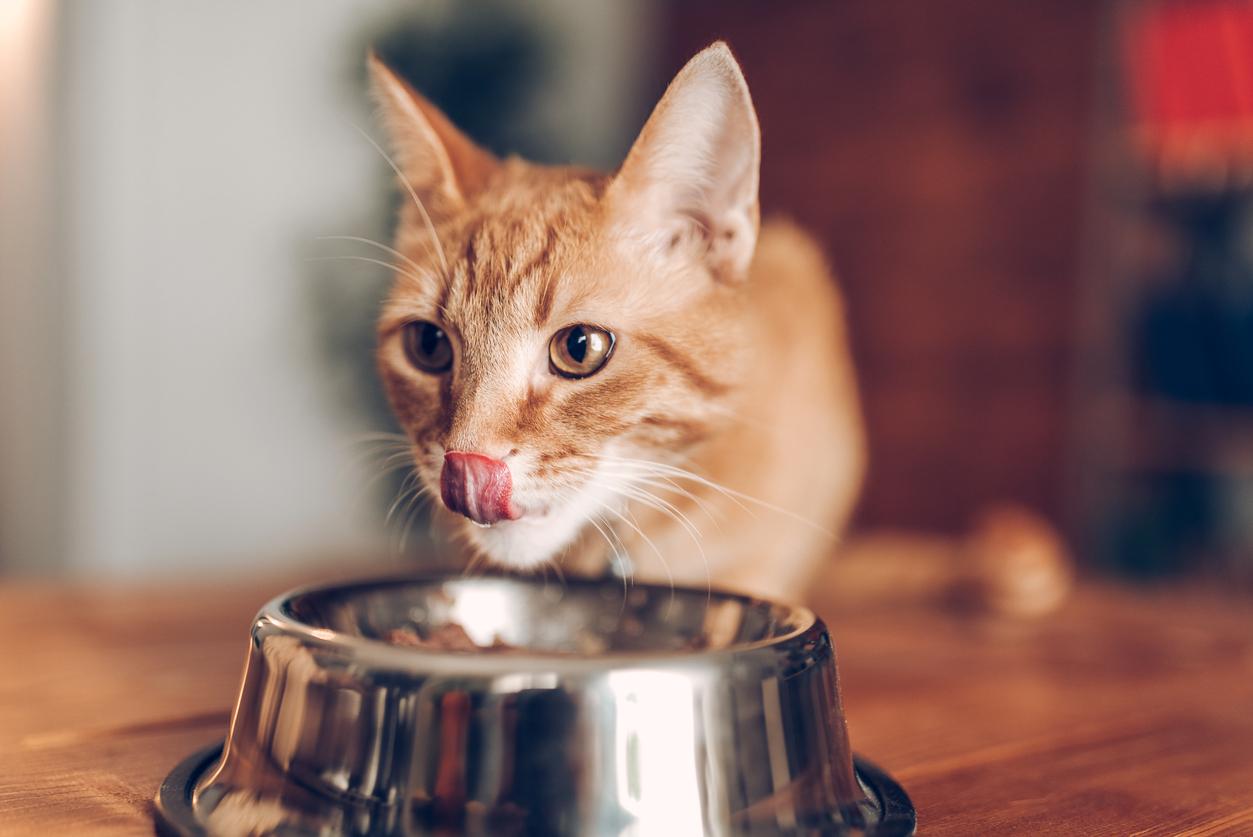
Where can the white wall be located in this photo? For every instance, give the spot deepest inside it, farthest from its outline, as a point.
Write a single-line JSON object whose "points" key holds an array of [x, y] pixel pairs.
{"points": [[206, 142], [31, 370], [202, 148]]}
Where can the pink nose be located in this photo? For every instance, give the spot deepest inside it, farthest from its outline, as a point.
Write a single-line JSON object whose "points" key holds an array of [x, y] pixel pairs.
{"points": [[477, 486]]}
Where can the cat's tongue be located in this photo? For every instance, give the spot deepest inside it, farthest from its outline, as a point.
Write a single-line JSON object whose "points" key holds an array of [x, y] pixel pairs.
{"points": [[477, 486]]}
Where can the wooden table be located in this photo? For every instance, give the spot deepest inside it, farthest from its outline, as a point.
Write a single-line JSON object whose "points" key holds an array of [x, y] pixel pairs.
{"points": [[1126, 713]]}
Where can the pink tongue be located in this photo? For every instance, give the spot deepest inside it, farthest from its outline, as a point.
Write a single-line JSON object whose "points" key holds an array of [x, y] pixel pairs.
{"points": [[476, 486]]}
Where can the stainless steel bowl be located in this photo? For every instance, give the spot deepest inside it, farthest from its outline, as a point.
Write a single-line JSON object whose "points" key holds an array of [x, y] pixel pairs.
{"points": [[644, 711]]}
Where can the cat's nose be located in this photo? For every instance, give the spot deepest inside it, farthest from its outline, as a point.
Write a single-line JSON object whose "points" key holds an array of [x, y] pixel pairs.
{"points": [[477, 486]]}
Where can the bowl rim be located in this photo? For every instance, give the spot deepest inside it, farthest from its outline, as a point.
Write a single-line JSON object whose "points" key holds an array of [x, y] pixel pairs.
{"points": [[275, 617]]}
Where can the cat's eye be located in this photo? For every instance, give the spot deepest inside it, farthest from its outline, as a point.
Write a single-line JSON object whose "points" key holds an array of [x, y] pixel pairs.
{"points": [[427, 347], [579, 350]]}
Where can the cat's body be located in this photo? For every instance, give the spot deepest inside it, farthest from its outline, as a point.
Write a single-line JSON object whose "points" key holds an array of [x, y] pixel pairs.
{"points": [[617, 370]]}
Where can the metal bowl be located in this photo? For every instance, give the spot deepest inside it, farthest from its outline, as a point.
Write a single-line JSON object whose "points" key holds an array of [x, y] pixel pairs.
{"points": [[590, 709]]}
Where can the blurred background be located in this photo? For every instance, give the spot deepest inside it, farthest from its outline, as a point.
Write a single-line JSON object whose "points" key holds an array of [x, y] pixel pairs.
{"points": [[1040, 214]]}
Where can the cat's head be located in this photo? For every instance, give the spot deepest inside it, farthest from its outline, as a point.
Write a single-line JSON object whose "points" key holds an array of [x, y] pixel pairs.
{"points": [[550, 328]]}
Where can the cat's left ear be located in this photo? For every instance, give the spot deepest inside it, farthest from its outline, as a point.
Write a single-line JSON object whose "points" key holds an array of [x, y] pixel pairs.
{"points": [[692, 173], [441, 164]]}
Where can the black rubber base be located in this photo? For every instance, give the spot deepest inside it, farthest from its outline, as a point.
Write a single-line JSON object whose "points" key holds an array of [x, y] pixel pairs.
{"points": [[176, 818]]}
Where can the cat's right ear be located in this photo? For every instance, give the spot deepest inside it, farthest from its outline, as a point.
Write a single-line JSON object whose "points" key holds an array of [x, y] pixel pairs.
{"points": [[691, 176], [441, 164]]}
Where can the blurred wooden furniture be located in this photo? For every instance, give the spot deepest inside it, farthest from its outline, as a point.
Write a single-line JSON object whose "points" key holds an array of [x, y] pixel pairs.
{"points": [[1124, 712]]}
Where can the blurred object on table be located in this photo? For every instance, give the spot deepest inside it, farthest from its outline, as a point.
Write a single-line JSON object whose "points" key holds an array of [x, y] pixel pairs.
{"points": [[1165, 421], [1189, 77], [1012, 563]]}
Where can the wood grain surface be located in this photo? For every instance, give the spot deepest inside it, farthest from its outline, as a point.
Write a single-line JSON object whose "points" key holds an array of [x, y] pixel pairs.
{"points": [[1125, 713]]}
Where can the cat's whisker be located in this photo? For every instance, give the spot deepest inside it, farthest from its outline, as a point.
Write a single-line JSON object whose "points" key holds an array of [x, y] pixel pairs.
{"points": [[383, 464], [420, 498], [386, 462], [666, 483], [362, 453], [404, 457], [410, 484], [371, 242], [478, 561], [561, 576], [414, 492], [652, 500], [409, 500], [370, 436], [385, 471], [544, 568], [658, 469], [703, 504], [648, 541], [432, 523], [633, 492], [381, 454], [617, 557], [380, 448], [648, 499], [680, 473], [389, 265], [377, 455], [363, 458], [438, 246]]}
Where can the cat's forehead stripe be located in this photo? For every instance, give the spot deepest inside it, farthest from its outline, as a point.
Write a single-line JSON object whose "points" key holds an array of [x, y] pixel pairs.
{"points": [[506, 265], [471, 261], [536, 261], [441, 304], [544, 306]]}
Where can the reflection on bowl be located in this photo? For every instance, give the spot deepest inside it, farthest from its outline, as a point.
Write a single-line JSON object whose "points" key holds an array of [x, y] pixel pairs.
{"points": [[590, 710]]}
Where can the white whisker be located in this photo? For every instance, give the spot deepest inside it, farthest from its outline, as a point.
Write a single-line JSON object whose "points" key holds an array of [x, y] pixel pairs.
{"points": [[665, 483], [395, 267], [363, 240], [652, 501], [378, 436], [618, 557], [643, 497], [411, 483], [659, 469], [647, 540], [419, 499], [426, 216], [388, 468]]}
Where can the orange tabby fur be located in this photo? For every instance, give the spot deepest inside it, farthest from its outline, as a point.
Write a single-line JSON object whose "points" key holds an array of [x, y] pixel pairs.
{"points": [[731, 360]]}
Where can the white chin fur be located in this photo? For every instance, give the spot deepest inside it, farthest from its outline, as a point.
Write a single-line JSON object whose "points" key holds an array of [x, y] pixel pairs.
{"points": [[532, 541]]}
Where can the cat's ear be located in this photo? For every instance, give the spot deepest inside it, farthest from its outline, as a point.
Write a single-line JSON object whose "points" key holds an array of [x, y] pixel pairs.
{"points": [[440, 163], [690, 179]]}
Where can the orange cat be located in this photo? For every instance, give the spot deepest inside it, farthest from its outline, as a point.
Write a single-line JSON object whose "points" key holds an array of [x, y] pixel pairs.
{"points": [[617, 370]]}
